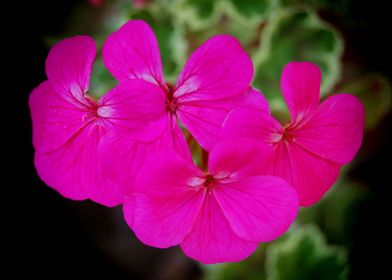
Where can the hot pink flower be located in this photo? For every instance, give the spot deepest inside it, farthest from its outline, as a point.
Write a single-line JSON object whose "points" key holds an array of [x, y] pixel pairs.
{"points": [[216, 216], [318, 140], [68, 124], [214, 81]]}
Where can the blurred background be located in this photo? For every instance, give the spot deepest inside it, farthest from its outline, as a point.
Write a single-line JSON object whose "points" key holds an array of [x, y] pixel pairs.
{"points": [[344, 236]]}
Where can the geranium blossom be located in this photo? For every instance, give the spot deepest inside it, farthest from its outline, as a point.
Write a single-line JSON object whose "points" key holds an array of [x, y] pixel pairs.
{"points": [[319, 139], [69, 124], [215, 80], [216, 216]]}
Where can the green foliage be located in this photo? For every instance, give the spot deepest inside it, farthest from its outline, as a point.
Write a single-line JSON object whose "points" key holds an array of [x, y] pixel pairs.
{"points": [[334, 212], [202, 14], [374, 90], [296, 34], [305, 255], [101, 80], [249, 269]]}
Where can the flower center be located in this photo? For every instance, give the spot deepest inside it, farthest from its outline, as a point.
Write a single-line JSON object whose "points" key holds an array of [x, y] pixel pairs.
{"points": [[286, 134], [209, 181], [171, 101]]}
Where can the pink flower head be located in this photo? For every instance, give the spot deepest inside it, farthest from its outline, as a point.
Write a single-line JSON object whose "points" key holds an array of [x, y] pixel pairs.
{"points": [[319, 139], [216, 216], [214, 81], [69, 124]]}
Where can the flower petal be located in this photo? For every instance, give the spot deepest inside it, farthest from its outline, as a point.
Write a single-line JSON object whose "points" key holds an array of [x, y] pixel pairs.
{"points": [[74, 170], [310, 175], [217, 69], [259, 208], [204, 118], [122, 157], [69, 66], [133, 52], [135, 108], [335, 131], [238, 158], [251, 123], [164, 211], [300, 85], [54, 118], [212, 240]]}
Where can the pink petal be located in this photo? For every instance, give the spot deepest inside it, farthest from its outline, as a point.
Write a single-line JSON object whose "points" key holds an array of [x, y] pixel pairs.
{"points": [[300, 84], [54, 118], [134, 108], [310, 175], [335, 131], [122, 156], [74, 170], [259, 208], [166, 208], [255, 99], [133, 52], [289, 160], [218, 69], [69, 65], [204, 118], [163, 221], [251, 123], [212, 239]]}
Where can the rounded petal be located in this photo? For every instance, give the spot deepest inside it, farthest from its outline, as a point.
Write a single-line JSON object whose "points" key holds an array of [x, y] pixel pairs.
{"points": [[310, 175], [166, 204], [239, 158], [335, 131], [219, 68], [54, 118], [259, 208], [212, 239], [69, 66], [163, 221], [204, 118], [74, 169], [122, 157], [135, 108], [133, 52], [300, 85], [251, 123]]}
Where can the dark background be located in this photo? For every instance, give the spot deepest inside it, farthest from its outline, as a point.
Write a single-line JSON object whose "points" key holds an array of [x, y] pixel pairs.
{"points": [[47, 237]]}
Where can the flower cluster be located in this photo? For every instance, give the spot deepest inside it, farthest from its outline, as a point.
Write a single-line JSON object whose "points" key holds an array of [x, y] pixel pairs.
{"points": [[128, 147]]}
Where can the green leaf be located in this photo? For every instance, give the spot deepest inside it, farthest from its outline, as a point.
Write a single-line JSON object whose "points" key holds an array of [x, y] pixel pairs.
{"points": [[196, 14], [334, 211], [101, 80], [296, 34], [251, 12], [250, 269], [374, 90], [305, 255]]}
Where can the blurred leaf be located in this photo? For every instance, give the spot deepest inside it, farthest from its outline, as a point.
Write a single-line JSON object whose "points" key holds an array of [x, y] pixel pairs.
{"points": [[202, 14], [374, 91], [251, 12], [250, 269], [304, 255], [170, 37], [196, 14], [296, 34], [334, 211], [101, 80]]}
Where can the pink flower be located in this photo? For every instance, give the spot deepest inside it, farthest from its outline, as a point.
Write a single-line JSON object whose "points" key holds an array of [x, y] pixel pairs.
{"points": [[69, 124], [214, 81], [319, 139], [216, 216]]}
